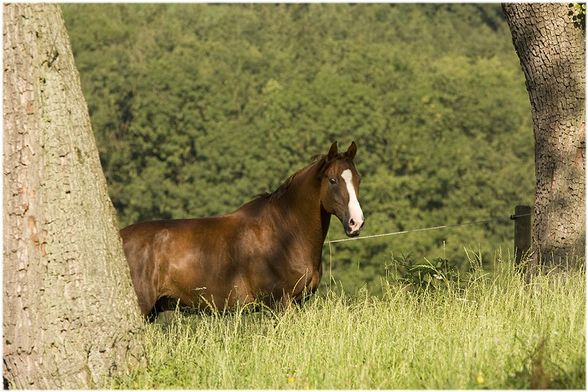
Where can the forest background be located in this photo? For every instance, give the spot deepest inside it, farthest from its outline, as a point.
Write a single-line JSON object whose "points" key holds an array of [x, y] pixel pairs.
{"points": [[199, 108]]}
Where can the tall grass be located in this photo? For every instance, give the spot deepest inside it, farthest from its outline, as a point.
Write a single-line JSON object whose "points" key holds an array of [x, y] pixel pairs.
{"points": [[493, 331]]}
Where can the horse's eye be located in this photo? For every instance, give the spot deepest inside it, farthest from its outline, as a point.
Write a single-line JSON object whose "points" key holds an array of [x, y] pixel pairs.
{"points": [[332, 180]]}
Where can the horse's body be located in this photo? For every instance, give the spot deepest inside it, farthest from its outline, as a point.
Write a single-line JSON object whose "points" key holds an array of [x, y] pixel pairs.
{"points": [[269, 250]]}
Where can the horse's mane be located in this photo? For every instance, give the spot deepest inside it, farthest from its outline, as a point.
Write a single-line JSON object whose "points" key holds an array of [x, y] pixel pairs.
{"points": [[283, 187]]}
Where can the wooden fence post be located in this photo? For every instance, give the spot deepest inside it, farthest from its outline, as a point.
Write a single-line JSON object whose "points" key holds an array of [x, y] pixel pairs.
{"points": [[522, 231]]}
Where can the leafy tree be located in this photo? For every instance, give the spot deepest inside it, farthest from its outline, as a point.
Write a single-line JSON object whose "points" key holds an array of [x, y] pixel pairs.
{"points": [[198, 108]]}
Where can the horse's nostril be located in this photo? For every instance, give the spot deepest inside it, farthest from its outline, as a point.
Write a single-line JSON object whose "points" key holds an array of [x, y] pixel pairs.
{"points": [[351, 222], [362, 224]]}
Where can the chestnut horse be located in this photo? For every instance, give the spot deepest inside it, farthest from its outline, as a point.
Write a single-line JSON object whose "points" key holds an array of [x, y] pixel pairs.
{"points": [[267, 251]]}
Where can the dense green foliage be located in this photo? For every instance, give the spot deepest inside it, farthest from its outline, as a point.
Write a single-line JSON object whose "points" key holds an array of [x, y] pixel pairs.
{"points": [[198, 108], [578, 13], [495, 333]]}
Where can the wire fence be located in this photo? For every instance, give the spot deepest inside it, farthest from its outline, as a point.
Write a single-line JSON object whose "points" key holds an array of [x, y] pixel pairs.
{"points": [[511, 217], [519, 249]]}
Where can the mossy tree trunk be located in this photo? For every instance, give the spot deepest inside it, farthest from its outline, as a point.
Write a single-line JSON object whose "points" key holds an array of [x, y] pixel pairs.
{"points": [[71, 317], [552, 54]]}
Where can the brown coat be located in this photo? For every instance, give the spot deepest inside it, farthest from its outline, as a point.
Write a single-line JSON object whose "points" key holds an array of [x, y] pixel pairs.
{"points": [[267, 251]]}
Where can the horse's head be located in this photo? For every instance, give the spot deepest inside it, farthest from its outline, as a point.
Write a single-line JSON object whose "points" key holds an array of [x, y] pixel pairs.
{"points": [[340, 188]]}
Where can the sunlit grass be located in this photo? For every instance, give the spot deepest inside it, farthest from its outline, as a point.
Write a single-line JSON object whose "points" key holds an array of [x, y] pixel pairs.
{"points": [[496, 331]]}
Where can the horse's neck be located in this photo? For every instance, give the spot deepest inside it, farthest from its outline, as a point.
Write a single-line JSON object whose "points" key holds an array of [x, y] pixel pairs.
{"points": [[301, 205]]}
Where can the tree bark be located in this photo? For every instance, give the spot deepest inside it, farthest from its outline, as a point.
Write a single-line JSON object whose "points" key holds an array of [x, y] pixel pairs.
{"points": [[551, 51], [71, 317]]}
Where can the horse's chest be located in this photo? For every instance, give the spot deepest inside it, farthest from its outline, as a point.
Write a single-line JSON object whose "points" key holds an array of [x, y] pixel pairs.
{"points": [[293, 276], [283, 267]]}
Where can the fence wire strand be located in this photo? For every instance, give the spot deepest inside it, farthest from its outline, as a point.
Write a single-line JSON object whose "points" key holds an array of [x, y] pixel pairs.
{"points": [[511, 217]]}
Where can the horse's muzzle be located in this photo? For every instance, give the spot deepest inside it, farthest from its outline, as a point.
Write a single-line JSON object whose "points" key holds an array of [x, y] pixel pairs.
{"points": [[353, 231]]}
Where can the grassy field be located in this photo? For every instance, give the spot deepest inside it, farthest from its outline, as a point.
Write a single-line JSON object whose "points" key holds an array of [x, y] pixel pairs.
{"points": [[491, 330]]}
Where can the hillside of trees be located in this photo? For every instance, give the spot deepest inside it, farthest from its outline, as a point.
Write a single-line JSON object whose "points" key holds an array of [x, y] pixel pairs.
{"points": [[199, 108]]}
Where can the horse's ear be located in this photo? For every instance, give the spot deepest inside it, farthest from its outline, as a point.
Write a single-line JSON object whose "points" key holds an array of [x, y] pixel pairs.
{"points": [[351, 151], [332, 152]]}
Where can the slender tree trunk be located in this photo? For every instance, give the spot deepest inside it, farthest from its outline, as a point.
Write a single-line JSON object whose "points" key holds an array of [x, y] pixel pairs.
{"points": [[552, 55], [71, 317]]}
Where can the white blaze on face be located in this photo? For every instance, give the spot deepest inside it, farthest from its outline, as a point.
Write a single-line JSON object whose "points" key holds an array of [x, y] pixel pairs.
{"points": [[355, 212]]}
